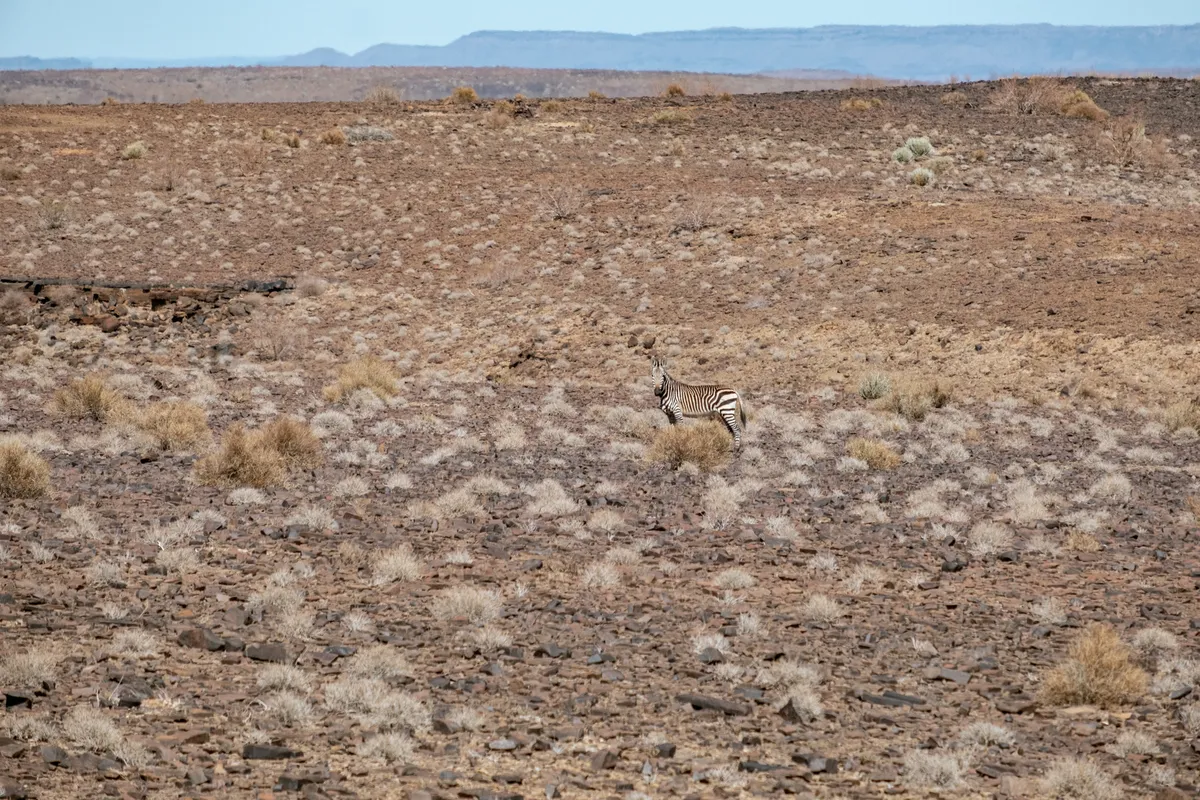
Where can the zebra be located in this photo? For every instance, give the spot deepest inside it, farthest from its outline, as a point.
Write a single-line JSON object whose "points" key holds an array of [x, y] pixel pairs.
{"points": [[678, 400]]}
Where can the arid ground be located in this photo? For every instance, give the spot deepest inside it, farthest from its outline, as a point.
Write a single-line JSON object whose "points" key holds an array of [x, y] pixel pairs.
{"points": [[330, 463]]}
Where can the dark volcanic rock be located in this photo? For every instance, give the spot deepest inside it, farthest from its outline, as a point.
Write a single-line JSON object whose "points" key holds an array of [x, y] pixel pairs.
{"points": [[699, 701], [268, 752], [275, 653]]}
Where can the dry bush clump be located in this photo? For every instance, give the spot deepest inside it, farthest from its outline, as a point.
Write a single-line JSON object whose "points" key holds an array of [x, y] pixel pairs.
{"points": [[1077, 779], [915, 401], [672, 116], [368, 372], [243, 459], [1077, 103], [28, 670], [333, 136], [1099, 670], [674, 90], [91, 398], [706, 445], [1123, 141], [133, 151], [311, 286], [877, 454], [293, 440], [175, 425], [23, 473], [477, 606], [1043, 95], [463, 95], [861, 104], [381, 95]]}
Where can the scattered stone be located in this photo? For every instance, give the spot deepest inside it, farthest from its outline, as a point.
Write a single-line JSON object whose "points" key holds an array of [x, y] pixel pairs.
{"points": [[52, 754], [953, 565], [604, 759], [793, 714], [711, 655], [201, 639], [551, 651], [292, 782], [755, 766], [664, 750], [701, 702], [10, 748], [268, 752], [502, 744], [16, 699], [1015, 704], [275, 653], [1181, 693], [12, 789]]}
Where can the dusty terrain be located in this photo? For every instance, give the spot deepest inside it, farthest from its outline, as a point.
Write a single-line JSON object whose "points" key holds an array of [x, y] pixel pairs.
{"points": [[333, 84], [481, 583]]}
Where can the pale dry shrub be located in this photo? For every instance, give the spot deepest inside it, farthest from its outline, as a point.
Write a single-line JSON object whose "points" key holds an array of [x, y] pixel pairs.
{"points": [[934, 769], [352, 486], [722, 501], [463, 95], [89, 728], [508, 435], [133, 151], [28, 670], [314, 517], [357, 621], [706, 641], [877, 454], [705, 444], [293, 440], [549, 500], [781, 528], [599, 575], [283, 677], [391, 748], [874, 386], [988, 538], [459, 558], [1132, 742], [178, 560], [382, 662], [243, 459], [490, 639], [623, 555], [91, 398], [478, 606], [1082, 542], [986, 734], [1050, 611], [1099, 670], [1189, 717], [134, 643], [820, 608], [1078, 779], [605, 521], [175, 425], [246, 496], [29, 727], [368, 372], [1155, 643], [735, 579], [398, 563], [333, 136], [748, 624], [290, 709]]}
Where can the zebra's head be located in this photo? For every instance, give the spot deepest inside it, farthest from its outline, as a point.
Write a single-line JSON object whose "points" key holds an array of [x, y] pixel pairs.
{"points": [[658, 371]]}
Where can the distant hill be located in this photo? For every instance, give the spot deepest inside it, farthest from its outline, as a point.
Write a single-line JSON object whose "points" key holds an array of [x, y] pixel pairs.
{"points": [[920, 53], [29, 62]]}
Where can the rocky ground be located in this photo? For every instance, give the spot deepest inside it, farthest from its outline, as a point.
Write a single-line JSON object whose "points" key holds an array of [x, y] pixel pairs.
{"points": [[479, 582]]}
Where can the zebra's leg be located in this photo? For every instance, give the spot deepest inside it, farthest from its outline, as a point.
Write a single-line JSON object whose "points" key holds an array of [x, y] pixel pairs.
{"points": [[730, 420], [672, 417]]}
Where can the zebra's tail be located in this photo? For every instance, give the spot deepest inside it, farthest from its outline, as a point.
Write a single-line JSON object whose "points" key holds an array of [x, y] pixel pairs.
{"points": [[742, 411]]}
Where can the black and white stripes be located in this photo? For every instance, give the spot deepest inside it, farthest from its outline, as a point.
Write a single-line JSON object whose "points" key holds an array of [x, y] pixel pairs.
{"points": [[679, 400]]}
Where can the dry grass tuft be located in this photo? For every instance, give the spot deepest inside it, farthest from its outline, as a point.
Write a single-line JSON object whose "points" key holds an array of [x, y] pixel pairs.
{"points": [[175, 425], [1079, 104], [294, 441], [674, 90], [477, 606], [705, 445], [333, 136], [382, 95], [243, 459], [1123, 142], [1099, 670], [463, 95], [396, 564], [915, 401], [1076, 779], [23, 474], [89, 398], [860, 104], [934, 769], [368, 372], [877, 454], [28, 670]]}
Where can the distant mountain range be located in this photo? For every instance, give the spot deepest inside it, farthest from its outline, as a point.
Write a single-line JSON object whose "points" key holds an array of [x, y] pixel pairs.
{"points": [[919, 53]]}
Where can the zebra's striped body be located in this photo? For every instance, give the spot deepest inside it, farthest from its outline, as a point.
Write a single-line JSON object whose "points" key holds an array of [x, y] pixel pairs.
{"points": [[678, 400]]}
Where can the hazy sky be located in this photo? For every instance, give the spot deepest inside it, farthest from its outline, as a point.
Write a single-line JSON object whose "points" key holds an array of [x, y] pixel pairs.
{"points": [[188, 29]]}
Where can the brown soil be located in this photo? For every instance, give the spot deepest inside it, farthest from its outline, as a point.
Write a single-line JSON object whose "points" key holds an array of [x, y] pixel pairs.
{"points": [[516, 272]]}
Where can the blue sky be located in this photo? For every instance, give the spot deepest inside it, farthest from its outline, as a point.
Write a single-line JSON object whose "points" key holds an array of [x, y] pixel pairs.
{"points": [[188, 29]]}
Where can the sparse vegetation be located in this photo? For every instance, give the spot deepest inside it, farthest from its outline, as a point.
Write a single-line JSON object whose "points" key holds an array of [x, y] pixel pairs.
{"points": [[705, 444], [369, 373], [175, 425], [23, 474], [464, 95], [1099, 669], [877, 454], [90, 398], [242, 459]]}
